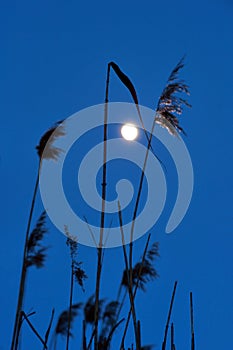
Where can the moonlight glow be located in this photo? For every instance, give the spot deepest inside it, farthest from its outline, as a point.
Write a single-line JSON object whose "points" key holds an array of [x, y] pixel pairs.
{"points": [[129, 132]]}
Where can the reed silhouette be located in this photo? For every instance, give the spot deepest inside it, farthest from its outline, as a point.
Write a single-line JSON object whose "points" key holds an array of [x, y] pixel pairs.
{"points": [[101, 317]]}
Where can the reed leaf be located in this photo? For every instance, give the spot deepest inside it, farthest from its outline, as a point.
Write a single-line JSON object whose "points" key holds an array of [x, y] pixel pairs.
{"points": [[125, 80], [129, 85]]}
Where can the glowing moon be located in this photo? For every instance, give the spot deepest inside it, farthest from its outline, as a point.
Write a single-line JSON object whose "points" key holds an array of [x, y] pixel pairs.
{"points": [[129, 132]]}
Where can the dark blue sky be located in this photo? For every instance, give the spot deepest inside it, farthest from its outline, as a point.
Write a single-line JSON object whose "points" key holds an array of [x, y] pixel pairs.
{"points": [[53, 63]]}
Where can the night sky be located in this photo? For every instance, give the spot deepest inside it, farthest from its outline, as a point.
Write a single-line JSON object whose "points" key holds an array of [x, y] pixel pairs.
{"points": [[54, 57]]}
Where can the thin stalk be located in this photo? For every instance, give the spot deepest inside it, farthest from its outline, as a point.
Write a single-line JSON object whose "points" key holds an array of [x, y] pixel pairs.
{"points": [[121, 305], [137, 204], [90, 341], [140, 190], [172, 337], [192, 322], [135, 291], [112, 331], [130, 286], [48, 329], [90, 230], [70, 305], [168, 317], [104, 184], [84, 336], [139, 334], [24, 267], [18, 330]]}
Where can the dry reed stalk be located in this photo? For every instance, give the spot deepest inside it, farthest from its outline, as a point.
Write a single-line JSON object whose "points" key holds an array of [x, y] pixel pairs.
{"points": [[192, 322], [76, 272], [49, 329], [70, 305], [24, 268], [135, 291], [168, 317], [125, 80], [52, 153], [102, 222], [136, 207], [139, 334], [84, 339], [168, 106], [130, 285], [172, 338]]}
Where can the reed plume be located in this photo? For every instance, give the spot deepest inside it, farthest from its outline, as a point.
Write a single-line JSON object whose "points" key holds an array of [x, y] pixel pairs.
{"points": [[170, 106], [65, 322], [36, 252]]}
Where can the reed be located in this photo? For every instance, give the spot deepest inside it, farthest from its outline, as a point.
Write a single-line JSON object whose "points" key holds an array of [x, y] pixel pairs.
{"points": [[52, 152], [103, 318]]}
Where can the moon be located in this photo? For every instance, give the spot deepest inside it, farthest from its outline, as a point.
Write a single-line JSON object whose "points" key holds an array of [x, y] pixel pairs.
{"points": [[129, 132]]}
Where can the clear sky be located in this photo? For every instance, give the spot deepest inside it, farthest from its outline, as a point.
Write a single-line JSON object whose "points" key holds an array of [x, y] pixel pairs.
{"points": [[54, 56]]}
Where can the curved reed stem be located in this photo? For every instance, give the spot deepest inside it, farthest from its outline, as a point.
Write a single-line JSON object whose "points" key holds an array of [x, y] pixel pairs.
{"points": [[104, 184], [24, 267]]}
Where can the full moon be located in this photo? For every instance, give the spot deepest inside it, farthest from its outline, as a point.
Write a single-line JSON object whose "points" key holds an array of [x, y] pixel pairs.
{"points": [[129, 132]]}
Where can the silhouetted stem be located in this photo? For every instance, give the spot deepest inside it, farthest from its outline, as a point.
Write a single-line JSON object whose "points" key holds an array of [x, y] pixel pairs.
{"points": [[70, 305], [130, 286], [90, 341], [139, 334], [192, 322], [169, 316], [104, 184], [18, 331], [84, 336], [172, 337], [121, 305], [48, 329], [34, 330], [112, 331], [135, 291], [24, 267], [137, 204]]}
